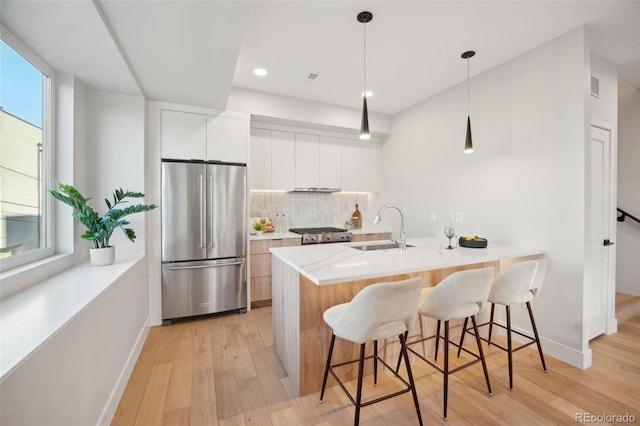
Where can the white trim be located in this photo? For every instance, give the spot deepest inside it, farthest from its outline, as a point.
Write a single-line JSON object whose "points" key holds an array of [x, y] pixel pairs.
{"points": [[611, 324], [48, 142], [118, 390], [580, 359]]}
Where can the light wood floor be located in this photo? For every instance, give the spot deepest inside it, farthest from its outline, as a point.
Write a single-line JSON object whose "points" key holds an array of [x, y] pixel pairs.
{"points": [[224, 371]]}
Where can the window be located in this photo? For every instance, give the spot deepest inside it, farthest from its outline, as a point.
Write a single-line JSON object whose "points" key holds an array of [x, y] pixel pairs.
{"points": [[24, 154]]}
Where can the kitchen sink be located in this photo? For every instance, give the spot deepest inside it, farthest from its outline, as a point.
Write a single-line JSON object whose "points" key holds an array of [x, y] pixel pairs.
{"points": [[385, 246]]}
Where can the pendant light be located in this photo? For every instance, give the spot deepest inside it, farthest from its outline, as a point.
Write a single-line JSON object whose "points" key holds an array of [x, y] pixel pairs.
{"points": [[468, 144], [364, 17]]}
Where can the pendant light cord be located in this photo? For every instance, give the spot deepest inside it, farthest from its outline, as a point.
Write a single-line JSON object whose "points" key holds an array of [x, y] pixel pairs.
{"points": [[364, 62], [468, 92]]}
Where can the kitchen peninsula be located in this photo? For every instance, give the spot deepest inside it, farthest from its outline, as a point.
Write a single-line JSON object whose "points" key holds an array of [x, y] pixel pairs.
{"points": [[309, 279]]}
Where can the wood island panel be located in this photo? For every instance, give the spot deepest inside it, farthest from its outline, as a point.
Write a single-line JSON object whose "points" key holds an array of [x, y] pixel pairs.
{"points": [[301, 336]]}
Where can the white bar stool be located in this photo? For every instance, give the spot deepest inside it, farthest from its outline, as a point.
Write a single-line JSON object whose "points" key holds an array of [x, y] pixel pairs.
{"points": [[378, 311], [520, 283], [460, 295]]}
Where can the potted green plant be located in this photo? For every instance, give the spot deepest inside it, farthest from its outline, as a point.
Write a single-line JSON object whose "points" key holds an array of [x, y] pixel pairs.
{"points": [[100, 228]]}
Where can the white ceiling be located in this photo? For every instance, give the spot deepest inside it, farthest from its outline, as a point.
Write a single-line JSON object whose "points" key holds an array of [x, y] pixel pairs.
{"points": [[193, 52]]}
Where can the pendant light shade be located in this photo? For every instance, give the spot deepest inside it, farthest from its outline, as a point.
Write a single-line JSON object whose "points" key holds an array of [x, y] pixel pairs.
{"points": [[364, 126], [364, 17], [468, 144]]}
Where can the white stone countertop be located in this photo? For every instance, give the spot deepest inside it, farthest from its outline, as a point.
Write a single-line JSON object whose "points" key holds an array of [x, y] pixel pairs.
{"points": [[339, 262], [282, 235]]}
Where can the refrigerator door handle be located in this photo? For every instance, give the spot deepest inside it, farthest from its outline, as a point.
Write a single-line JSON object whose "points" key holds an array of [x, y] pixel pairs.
{"points": [[211, 200], [201, 211], [176, 268]]}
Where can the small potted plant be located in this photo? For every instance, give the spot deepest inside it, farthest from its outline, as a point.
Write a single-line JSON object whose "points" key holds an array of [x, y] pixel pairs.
{"points": [[100, 228]]}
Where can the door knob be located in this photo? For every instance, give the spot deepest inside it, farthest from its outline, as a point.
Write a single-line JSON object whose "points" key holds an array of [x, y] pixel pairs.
{"points": [[607, 243]]}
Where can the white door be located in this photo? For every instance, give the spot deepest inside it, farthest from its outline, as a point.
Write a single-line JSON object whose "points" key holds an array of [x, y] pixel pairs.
{"points": [[599, 289]]}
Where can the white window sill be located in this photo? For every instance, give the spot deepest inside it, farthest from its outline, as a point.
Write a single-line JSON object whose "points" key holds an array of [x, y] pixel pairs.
{"points": [[32, 316]]}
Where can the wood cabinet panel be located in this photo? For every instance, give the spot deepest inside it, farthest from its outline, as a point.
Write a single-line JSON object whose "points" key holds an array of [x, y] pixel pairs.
{"points": [[260, 266], [260, 288], [371, 237]]}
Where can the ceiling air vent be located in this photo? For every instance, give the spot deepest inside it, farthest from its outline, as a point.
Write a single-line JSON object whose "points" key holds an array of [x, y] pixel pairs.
{"points": [[312, 76], [595, 87]]}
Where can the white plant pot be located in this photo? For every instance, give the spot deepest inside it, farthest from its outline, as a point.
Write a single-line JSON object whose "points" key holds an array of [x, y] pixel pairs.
{"points": [[102, 256]]}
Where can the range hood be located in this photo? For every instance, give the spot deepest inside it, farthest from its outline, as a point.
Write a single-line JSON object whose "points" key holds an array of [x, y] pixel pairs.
{"points": [[322, 190]]}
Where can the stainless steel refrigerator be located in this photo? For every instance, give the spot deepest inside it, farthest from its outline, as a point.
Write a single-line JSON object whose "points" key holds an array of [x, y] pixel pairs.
{"points": [[204, 238]]}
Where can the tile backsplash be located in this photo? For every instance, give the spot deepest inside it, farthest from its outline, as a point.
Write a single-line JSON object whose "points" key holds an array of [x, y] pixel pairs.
{"points": [[304, 210]]}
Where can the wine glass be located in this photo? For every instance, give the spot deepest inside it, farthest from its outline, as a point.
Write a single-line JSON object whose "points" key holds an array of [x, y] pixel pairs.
{"points": [[449, 232]]}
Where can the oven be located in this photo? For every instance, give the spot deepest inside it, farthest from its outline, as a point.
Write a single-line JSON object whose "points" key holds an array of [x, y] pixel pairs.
{"points": [[322, 235]]}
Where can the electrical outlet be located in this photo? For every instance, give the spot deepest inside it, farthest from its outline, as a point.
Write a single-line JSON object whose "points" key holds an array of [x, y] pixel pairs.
{"points": [[459, 217], [433, 216]]}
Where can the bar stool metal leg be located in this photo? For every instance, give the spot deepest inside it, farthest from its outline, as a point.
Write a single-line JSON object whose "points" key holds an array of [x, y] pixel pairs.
{"points": [[493, 307], [326, 369], [464, 330], [446, 367], [435, 355], [509, 348], [403, 350], [375, 363], [482, 360], [535, 333], [356, 421]]}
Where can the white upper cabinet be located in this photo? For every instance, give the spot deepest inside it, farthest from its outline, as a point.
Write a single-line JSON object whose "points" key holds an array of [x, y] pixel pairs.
{"points": [[360, 165], [307, 161], [184, 135], [286, 160], [259, 170], [195, 136], [282, 160], [330, 161], [227, 139], [369, 166], [350, 154]]}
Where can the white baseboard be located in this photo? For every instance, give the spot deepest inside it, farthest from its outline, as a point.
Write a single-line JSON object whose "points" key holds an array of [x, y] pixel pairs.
{"points": [[579, 359], [114, 399]]}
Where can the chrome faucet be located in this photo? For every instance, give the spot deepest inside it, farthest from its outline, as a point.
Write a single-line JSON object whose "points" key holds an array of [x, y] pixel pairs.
{"points": [[402, 241]]}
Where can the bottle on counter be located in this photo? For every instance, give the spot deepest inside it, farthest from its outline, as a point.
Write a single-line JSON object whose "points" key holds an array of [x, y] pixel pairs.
{"points": [[356, 217], [283, 223]]}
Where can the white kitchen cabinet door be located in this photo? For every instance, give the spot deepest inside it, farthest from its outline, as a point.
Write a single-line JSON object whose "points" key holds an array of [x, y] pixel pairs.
{"points": [[259, 167], [330, 163], [369, 166], [227, 139], [282, 160], [350, 158], [307, 161], [184, 135]]}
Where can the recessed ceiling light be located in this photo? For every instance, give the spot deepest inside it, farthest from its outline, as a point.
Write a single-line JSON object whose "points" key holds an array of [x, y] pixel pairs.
{"points": [[260, 72], [369, 93]]}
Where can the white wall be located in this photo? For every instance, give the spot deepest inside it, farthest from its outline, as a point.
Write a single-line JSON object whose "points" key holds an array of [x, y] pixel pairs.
{"points": [[523, 185], [116, 151], [278, 109], [628, 232], [78, 376]]}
